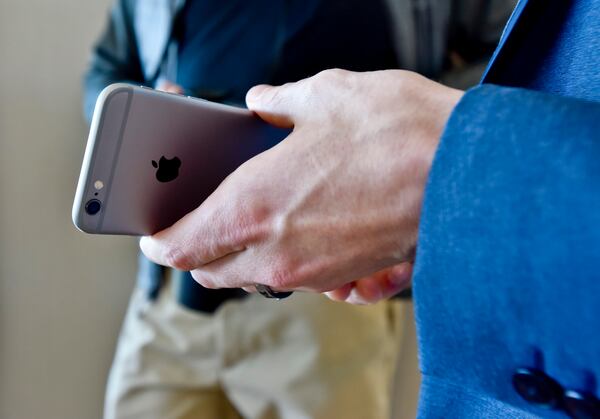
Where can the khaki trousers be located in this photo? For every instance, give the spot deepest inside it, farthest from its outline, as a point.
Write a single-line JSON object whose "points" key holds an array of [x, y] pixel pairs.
{"points": [[303, 357]]}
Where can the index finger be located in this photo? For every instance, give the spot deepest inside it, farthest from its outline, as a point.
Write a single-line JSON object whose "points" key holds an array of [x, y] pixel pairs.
{"points": [[206, 234]]}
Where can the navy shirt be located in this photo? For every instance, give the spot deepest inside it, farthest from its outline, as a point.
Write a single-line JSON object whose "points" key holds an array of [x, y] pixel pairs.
{"points": [[227, 47]]}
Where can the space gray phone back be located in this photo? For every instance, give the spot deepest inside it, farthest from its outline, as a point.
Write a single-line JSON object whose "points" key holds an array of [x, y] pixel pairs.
{"points": [[152, 157]]}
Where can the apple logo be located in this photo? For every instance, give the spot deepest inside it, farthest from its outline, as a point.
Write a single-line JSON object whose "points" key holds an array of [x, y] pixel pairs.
{"points": [[168, 169]]}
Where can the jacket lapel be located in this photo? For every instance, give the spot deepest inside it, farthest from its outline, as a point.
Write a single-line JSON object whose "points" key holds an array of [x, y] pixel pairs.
{"points": [[508, 30]]}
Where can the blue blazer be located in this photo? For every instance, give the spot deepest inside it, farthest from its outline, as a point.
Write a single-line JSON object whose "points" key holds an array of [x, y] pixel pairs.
{"points": [[507, 276]]}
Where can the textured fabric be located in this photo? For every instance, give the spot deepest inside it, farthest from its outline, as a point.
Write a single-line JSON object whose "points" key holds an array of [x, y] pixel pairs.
{"points": [[350, 34], [115, 57], [553, 48], [216, 39], [134, 42], [507, 261], [506, 273], [277, 42], [442, 399], [307, 358]]}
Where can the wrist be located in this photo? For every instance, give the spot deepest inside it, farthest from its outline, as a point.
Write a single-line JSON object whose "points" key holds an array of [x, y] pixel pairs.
{"points": [[432, 105]]}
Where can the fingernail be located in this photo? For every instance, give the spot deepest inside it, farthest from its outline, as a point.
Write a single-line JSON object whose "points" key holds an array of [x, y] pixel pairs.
{"points": [[144, 242], [356, 298]]}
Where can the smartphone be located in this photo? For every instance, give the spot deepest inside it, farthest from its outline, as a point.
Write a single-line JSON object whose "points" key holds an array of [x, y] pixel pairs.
{"points": [[153, 157]]}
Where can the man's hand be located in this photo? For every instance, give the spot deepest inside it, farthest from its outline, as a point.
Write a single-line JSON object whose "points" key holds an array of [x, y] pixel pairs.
{"points": [[169, 87], [337, 200], [378, 286]]}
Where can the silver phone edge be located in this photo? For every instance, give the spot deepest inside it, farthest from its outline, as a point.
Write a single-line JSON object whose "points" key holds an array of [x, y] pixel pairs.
{"points": [[87, 164]]}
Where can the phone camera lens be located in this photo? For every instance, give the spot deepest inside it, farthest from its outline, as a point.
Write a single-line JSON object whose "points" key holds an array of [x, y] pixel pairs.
{"points": [[93, 206]]}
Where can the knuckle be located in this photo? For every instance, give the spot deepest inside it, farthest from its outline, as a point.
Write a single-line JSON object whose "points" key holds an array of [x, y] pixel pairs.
{"points": [[407, 81], [178, 259], [332, 73], [337, 78], [326, 88], [271, 96], [256, 218], [276, 96]]}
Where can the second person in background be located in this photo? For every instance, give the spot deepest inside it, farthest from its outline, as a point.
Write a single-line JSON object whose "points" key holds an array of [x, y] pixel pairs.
{"points": [[190, 352]]}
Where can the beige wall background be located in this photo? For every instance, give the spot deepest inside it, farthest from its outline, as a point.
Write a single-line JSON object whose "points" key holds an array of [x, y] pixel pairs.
{"points": [[62, 293]]}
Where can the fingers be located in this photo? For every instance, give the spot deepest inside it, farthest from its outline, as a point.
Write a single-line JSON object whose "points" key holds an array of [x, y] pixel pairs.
{"points": [[235, 270], [289, 105], [379, 286], [283, 106], [167, 86], [342, 293], [195, 240], [274, 105], [239, 270]]}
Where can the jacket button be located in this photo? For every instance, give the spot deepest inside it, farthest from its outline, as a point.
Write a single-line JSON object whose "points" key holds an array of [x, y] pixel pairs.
{"points": [[537, 388], [580, 405]]}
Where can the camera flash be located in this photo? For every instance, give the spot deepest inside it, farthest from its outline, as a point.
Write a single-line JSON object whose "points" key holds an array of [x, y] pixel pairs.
{"points": [[98, 185]]}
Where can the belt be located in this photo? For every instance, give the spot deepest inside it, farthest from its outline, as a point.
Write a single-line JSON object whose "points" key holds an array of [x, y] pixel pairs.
{"points": [[194, 296], [188, 293]]}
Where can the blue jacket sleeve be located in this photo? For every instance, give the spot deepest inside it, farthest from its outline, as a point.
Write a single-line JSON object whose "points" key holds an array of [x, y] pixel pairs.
{"points": [[506, 273], [526, 161], [114, 57]]}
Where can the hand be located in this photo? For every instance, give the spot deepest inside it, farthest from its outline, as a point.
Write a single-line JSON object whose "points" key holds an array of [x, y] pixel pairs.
{"points": [[169, 87], [378, 286], [339, 199]]}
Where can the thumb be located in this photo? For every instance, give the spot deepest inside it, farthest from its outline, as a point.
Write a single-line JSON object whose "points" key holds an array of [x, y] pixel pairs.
{"points": [[277, 105]]}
